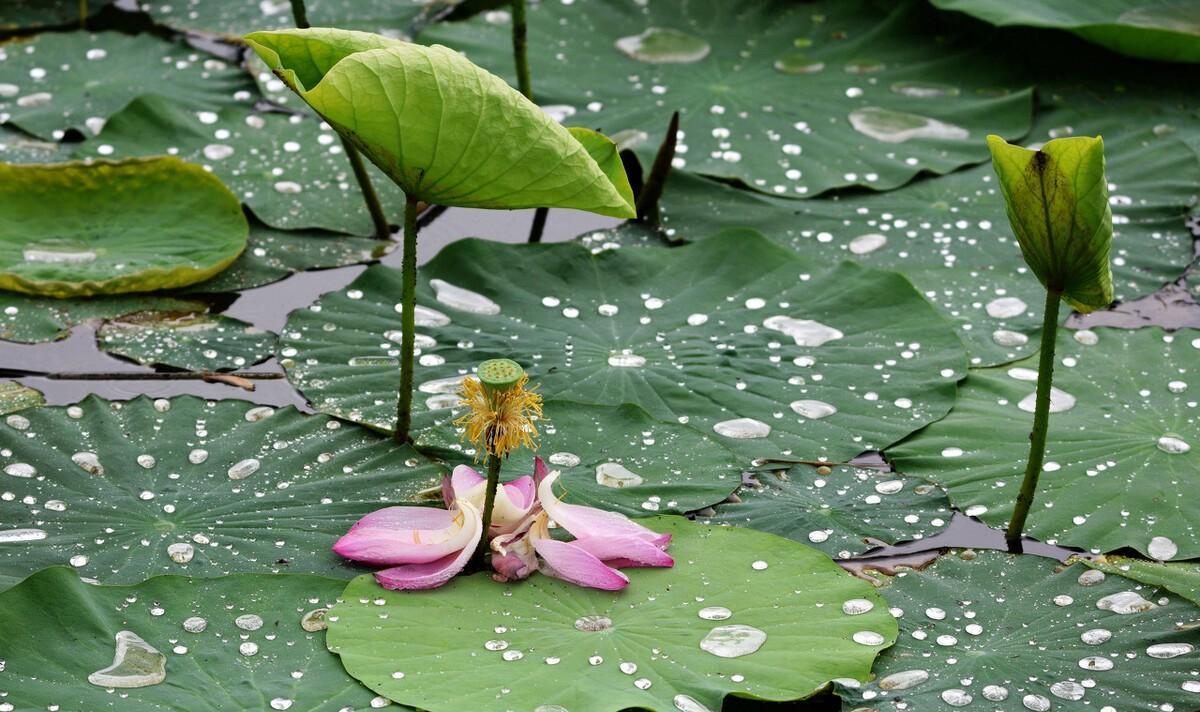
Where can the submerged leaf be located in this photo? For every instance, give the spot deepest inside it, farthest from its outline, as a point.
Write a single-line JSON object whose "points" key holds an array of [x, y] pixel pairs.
{"points": [[443, 129], [1057, 199], [107, 227]]}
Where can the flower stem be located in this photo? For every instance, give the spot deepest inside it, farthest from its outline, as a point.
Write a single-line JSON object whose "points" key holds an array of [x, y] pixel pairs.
{"points": [[407, 319], [652, 190], [539, 224], [1041, 421], [520, 40], [489, 503], [83, 14], [383, 231]]}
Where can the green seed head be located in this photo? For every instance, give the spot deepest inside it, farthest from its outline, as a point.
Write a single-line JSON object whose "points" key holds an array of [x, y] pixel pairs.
{"points": [[500, 374]]}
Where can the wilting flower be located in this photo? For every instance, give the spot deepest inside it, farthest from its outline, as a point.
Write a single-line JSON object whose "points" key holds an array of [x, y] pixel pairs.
{"points": [[501, 411], [425, 547]]}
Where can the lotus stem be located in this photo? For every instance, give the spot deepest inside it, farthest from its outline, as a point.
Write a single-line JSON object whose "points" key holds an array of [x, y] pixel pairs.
{"points": [[539, 224], [408, 319], [489, 503], [83, 14], [300, 14], [652, 189], [1041, 422], [520, 39]]}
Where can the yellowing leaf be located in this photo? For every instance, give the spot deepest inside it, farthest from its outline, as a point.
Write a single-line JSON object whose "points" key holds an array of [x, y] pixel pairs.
{"points": [[1057, 200], [443, 129]]}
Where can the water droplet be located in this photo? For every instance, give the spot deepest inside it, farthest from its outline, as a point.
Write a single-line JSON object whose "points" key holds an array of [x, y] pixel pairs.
{"points": [[614, 474], [866, 244], [244, 469], [898, 126], [281, 703], [697, 319], [1091, 577], [924, 90], [248, 649], [248, 621], [714, 613], [857, 606], [733, 641], [89, 462], [1009, 339], [1060, 401], [868, 637], [288, 187], [1173, 444], [197, 456], [564, 459], [659, 45], [952, 452], [995, 693], [1096, 636], [195, 624], [1006, 308], [742, 428], [496, 645], [512, 655], [805, 332], [813, 409], [1068, 690], [798, 63], [20, 469], [181, 552], [1125, 603], [1096, 662], [956, 697], [904, 680], [593, 624], [314, 620], [463, 299], [687, 703], [1037, 703], [1165, 651], [135, 664], [1162, 548], [642, 683], [628, 668], [17, 422], [14, 536], [626, 360]]}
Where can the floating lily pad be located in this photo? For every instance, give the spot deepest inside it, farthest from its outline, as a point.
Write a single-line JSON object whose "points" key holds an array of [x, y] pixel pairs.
{"points": [[612, 457], [1122, 462], [186, 340], [842, 513], [19, 147], [29, 319], [76, 80], [1180, 577], [124, 491], [289, 169], [734, 335], [16, 396], [741, 613], [1016, 633], [79, 229], [1154, 29], [231, 643], [272, 254], [789, 98], [234, 19], [951, 237]]}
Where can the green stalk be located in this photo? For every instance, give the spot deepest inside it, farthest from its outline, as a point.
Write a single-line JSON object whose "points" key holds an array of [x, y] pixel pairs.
{"points": [[539, 224], [652, 189], [83, 13], [1041, 422], [520, 40], [383, 231], [408, 319], [489, 503]]}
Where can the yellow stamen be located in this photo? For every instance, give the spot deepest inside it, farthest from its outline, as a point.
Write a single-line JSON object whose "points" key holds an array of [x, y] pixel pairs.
{"points": [[499, 421]]}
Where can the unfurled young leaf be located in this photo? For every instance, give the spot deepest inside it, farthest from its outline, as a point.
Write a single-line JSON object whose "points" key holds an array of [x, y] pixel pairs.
{"points": [[1057, 200], [443, 129]]}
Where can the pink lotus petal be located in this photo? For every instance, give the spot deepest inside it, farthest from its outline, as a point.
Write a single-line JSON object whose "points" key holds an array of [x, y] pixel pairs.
{"points": [[513, 556], [434, 573], [407, 535], [570, 563], [619, 551], [539, 470], [522, 492], [589, 522], [466, 483]]}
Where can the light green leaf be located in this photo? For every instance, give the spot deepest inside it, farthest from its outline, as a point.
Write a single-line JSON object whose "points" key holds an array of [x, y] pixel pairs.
{"points": [[446, 131], [733, 336], [16, 396], [789, 98], [1057, 198], [1154, 29], [552, 645], [1008, 633], [1123, 452], [842, 513], [1181, 577], [185, 340], [106, 227], [127, 490], [76, 80], [59, 630]]}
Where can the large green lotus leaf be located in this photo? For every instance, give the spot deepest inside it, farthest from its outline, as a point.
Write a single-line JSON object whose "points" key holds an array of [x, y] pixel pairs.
{"points": [[186, 340], [734, 335], [842, 513], [789, 98], [289, 169], [76, 80], [612, 457], [127, 490], [950, 235], [446, 131], [272, 254], [1181, 577], [33, 14], [15, 396], [1155, 29], [1019, 633], [16, 146], [1058, 209], [231, 643], [1120, 471], [106, 227], [396, 18], [29, 319], [741, 613]]}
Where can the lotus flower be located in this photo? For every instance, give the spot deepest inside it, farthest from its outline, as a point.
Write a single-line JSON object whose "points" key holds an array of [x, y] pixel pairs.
{"points": [[426, 547]]}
